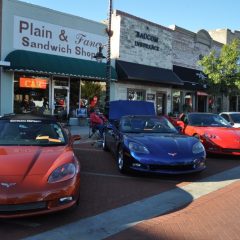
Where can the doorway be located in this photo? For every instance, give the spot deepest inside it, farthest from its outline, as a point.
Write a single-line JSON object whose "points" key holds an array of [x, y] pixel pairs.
{"points": [[202, 103], [160, 103], [60, 98]]}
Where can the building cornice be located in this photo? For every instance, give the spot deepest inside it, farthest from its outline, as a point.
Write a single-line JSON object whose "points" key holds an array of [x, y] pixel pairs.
{"points": [[120, 13]]}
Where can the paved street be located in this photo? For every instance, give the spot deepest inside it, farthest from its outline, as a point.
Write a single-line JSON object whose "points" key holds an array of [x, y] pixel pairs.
{"points": [[213, 216], [115, 206]]}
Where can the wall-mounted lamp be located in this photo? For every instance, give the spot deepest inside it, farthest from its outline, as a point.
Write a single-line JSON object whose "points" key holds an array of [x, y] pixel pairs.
{"points": [[99, 55], [168, 96]]}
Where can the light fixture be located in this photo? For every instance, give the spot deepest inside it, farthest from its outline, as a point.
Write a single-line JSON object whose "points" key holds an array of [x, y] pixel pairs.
{"points": [[99, 55]]}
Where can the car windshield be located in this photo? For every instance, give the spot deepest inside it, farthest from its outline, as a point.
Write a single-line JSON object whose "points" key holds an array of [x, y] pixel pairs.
{"points": [[207, 120], [143, 124], [236, 117], [30, 133]]}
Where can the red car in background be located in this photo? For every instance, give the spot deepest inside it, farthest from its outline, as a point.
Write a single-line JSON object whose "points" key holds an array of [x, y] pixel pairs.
{"points": [[216, 134], [39, 172]]}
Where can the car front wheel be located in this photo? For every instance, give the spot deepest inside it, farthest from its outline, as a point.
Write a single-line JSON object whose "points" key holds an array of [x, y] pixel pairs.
{"points": [[104, 143], [120, 161]]}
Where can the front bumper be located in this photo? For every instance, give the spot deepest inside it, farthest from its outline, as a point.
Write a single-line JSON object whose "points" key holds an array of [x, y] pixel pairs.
{"points": [[178, 167], [38, 203]]}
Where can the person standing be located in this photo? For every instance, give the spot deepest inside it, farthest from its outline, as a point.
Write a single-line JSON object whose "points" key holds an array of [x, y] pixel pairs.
{"points": [[25, 105]]}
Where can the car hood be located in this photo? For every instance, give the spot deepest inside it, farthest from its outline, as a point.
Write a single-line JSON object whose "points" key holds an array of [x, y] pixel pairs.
{"points": [[165, 143], [224, 137], [30, 161]]}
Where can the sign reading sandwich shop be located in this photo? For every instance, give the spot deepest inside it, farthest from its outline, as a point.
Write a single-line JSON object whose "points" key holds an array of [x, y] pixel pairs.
{"points": [[33, 35]]}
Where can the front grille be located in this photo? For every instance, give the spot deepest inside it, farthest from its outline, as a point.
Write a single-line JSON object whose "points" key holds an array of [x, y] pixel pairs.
{"points": [[171, 167], [231, 150], [22, 207]]}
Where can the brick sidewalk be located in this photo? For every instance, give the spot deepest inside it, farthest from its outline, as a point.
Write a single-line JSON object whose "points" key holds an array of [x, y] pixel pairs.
{"points": [[213, 216]]}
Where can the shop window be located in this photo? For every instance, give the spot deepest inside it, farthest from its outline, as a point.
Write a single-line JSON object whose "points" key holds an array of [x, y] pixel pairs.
{"points": [[136, 94], [31, 93]]}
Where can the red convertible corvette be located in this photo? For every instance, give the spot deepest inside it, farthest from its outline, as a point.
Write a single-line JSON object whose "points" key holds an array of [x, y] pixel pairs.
{"points": [[39, 172], [216, 134]]}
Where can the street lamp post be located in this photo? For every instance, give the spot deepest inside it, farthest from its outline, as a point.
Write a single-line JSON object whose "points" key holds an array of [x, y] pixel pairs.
{"points": [[108, 63], [99, 57]]}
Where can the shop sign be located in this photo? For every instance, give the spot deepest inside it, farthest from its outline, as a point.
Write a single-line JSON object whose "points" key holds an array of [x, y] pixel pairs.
{"points": [[38, 36], [150, 96], [153, 40], [33, 83]]}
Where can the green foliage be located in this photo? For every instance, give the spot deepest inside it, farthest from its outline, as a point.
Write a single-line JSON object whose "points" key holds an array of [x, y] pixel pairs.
{"points": [[90, 89], [223, 70]]}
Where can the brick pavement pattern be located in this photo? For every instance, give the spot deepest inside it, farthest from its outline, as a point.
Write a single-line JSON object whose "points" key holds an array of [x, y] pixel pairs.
{"points": [[213, 216]]}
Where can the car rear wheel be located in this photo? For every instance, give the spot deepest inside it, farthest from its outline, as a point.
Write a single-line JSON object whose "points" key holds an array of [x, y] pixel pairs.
{"points": [[120, 161], [104, 143]]}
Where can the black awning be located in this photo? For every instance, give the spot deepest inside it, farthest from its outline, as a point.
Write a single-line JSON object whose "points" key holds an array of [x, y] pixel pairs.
{"points": [[21, 60], [193, 79], [138, 72]]}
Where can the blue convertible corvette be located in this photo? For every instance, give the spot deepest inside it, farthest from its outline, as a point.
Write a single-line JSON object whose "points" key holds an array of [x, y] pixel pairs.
{"points": [[149, 143]]}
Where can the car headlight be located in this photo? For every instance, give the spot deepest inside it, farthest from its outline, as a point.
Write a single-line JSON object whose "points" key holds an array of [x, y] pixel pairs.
{"points": [[198, 148], [137, 148], [62, 173]]}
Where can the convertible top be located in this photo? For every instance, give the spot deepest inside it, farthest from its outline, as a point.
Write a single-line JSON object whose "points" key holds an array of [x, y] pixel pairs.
{"points": [[120, 108]]}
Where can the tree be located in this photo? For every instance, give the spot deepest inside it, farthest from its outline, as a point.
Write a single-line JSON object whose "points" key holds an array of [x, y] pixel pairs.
{"points": [[223, 70], [91, 89]]}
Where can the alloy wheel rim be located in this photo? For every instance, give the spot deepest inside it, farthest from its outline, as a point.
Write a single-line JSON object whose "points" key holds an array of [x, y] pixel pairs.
{"points": [[120, 160], [103, 143]]}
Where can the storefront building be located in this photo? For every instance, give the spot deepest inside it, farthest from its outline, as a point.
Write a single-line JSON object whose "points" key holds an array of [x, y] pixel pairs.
{"points": [[226, 36], [142, 52], [160, 64], [49, 54], [188, 48]]}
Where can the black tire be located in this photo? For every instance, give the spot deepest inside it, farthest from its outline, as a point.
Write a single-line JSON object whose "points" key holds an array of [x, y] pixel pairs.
{"points": [[121, 162], [104, 144]]}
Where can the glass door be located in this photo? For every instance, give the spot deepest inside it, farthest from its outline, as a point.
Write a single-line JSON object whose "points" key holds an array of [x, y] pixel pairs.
{"points": [[60, 99], [160, 103]]}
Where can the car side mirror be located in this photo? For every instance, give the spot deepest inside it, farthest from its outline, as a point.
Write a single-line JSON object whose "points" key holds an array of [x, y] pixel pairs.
{"points": [[75, 138], [109, 126], [179, 129], [181, 124], [116, 123]]}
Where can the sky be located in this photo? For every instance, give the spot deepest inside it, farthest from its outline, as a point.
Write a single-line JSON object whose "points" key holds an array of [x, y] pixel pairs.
{"points": [[192, 15]]}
